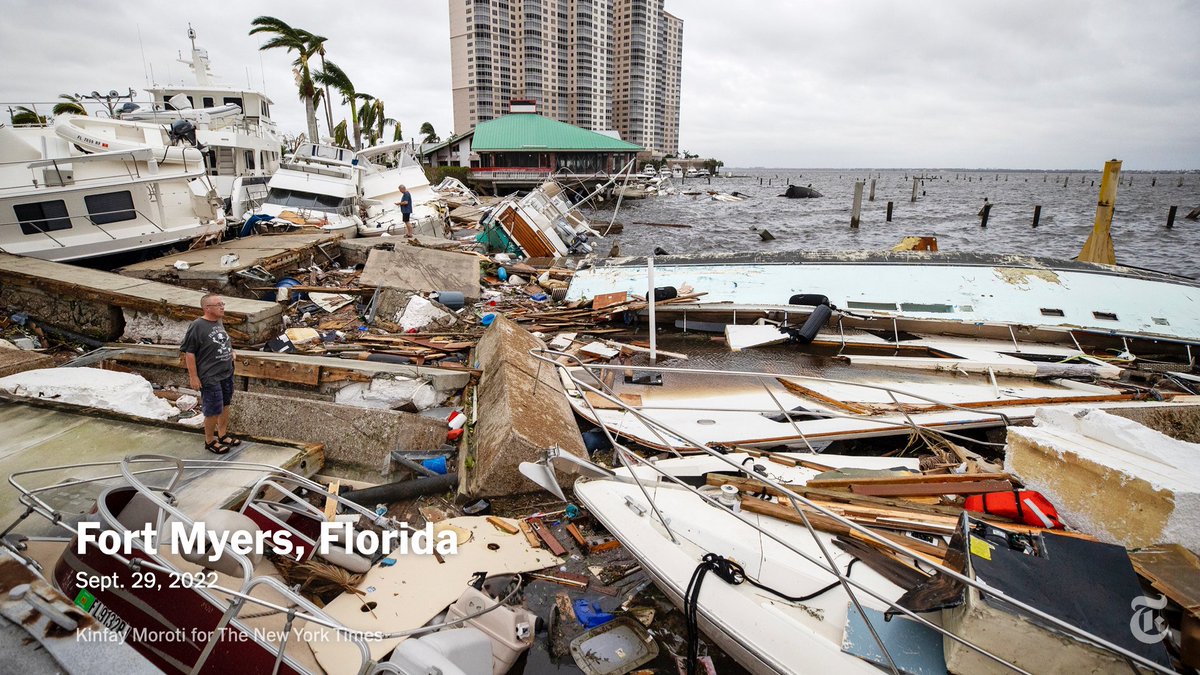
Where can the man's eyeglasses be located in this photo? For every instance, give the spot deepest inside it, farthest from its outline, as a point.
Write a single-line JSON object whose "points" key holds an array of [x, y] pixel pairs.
{"points": [[215, 304]]}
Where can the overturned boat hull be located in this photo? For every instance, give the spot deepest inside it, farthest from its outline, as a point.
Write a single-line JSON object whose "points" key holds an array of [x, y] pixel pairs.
{"points": [[981, 295]]}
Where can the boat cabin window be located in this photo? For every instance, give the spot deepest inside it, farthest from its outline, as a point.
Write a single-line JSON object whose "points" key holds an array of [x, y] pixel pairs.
{"points": [[266, 111], [41, 217], [167, 101], [208, 102], [236, 100], [1051, 311], [111, 207], [307, 200], [249, 160]]}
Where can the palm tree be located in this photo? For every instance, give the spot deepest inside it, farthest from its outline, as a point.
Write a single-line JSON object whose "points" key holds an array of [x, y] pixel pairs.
{"points": [[71, 105], [24, 115], [333, 76], [304, 44], [399, 133], [317, 44], [339, 135], [382, 122], [430, 135]]}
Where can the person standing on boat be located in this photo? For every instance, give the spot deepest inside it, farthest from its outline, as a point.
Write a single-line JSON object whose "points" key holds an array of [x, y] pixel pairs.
{"points": [[405, 205], [209, 357]]}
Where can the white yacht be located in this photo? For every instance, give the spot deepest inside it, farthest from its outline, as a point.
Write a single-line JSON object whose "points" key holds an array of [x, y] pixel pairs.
{"points": [[352, 193], [386, 167], [317, 186], [59, 203], [240, 143]]}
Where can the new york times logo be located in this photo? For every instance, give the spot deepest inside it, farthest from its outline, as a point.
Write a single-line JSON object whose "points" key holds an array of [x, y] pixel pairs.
{"points": [[1145, 624]]}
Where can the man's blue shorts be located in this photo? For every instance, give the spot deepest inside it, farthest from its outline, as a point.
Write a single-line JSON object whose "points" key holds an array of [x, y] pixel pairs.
{"points": [[216, 396]]}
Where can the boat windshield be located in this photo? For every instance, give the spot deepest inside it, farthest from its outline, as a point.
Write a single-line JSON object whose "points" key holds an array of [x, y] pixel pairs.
{"points": [[307, 200]]}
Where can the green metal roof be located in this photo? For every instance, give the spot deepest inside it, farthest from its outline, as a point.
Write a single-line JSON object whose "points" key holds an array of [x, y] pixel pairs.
{"points": [[533, 133]]}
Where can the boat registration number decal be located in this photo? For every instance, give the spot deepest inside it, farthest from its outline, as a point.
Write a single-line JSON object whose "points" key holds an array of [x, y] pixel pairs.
{"points": [[107, 618]]}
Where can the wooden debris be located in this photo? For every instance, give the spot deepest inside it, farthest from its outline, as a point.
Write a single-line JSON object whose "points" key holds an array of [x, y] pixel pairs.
{"points": [[933, 489], [543, 532], [502, 525]]}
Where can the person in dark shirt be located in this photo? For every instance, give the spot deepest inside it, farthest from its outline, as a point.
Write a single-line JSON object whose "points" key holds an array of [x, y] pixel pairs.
{"points": [[405, 205], [209, 357]]}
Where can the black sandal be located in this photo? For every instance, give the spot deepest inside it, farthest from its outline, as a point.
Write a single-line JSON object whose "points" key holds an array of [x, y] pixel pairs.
{"points": [[229, 441], [216, 447]]}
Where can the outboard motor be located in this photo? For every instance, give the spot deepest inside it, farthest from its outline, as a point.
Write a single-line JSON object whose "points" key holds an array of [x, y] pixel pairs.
{"points": [[127, 108], [821, 312], [184, 130]]}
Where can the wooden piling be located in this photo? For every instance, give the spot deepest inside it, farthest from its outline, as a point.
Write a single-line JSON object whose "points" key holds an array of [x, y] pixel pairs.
{"points": [[856, 210], [872, 197], [1171, 216], [889, 212], [914, 194], [987, 209], [1153, 182], [1037, 214]]}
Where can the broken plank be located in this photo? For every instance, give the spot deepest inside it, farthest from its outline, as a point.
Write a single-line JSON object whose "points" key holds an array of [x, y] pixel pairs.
{"points": [[905, 479], [809, 393], [543, 532], [933, 489], [503, 525], [530, 536]]}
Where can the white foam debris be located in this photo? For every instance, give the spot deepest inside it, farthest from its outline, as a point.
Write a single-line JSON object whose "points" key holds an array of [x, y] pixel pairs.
{"points": [[419, 313], [389, 394], [91, 387], [1116, 451]]}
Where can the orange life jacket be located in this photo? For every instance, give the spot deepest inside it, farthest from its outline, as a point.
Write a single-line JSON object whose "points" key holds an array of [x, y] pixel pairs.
{"points": [[1015, 506]]}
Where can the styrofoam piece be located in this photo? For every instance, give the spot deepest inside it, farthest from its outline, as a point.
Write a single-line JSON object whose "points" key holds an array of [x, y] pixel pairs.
{"points": [[389, 394], [419, 313], [93, 388]]}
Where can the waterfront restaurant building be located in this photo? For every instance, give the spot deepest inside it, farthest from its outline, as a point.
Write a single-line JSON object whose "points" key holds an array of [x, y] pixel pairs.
{"points": [[523, 149]]}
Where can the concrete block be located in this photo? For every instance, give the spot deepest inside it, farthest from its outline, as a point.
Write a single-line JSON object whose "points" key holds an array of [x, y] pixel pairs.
{"points": [[1111, 477], [522, 412], [410, 268], [14, 361], [356, 436]]}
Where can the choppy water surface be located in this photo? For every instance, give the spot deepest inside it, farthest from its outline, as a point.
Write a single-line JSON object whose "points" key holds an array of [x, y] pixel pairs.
{"points": [[946, 207]]}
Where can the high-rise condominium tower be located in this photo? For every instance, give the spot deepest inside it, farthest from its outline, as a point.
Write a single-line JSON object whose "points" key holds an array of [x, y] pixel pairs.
{"points": [[597, 64]]}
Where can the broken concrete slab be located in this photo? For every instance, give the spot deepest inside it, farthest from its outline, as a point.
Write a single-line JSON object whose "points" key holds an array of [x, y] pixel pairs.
{"points": [[14, 361], [93, 303], [410, 268], [1111, 477], [273, 253], [522, 411], [351, 435]]}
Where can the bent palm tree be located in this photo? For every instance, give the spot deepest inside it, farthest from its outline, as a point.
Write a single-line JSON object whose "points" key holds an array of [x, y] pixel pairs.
{"points": [[382, 122], [71, 105], [304, 44], [430, 135], [24, 115], [333, 76], [317, 44]]}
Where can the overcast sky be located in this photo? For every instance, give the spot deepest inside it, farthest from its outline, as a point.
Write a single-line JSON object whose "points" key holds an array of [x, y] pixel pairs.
{"points": [[1011, 84]]}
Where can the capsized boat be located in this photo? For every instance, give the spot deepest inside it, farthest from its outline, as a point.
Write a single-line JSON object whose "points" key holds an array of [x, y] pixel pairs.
{"points": [[972, 294], [542, 223], [227, 608], [768, 572]]}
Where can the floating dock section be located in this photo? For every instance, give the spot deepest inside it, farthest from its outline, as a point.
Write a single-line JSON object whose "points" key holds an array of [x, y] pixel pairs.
{"points": [[107, 307]]}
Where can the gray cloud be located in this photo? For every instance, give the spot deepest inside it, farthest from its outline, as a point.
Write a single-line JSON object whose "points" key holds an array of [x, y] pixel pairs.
{"points": [[874, 83]]}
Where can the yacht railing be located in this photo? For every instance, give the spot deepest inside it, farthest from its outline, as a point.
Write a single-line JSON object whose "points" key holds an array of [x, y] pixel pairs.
{"points": [[631, 460], [162, 497]]}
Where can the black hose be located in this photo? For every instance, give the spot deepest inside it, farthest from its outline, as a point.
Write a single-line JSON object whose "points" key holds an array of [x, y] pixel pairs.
{"points": [[394, 492]]}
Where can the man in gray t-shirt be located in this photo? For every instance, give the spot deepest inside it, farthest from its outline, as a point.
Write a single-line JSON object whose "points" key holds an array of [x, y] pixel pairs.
{"points": [[209, 357]]}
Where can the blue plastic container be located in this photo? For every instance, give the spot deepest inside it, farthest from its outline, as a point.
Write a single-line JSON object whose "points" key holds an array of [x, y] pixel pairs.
{"points": [[436, 465], [487, 319], [289, 282], [502, 274]]}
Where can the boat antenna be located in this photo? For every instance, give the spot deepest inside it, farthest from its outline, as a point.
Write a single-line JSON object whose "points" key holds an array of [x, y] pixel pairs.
{"points": [[142, 46], [192, 35]]}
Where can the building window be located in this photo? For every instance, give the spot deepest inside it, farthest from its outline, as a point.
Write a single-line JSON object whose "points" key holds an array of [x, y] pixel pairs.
{"points": [[111, 207], [42, 216]]}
